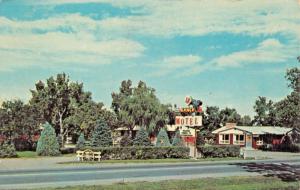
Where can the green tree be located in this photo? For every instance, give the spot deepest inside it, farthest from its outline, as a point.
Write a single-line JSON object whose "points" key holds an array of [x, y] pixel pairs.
{"points": [[142, 138], [80, 142], [56, 101], [200, 139], [47, 144], [11, 119], [139, 106], [84, 117], [229, 115], [246, 120], [288, 111], [163, 138], [177, 141], [265, 112], [18, 119], [101, 135], [293, 78], [211, 120]]}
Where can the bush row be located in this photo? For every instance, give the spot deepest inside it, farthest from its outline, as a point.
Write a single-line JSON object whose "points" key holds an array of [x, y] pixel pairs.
{"points": [[141, 152], [219, 151]]}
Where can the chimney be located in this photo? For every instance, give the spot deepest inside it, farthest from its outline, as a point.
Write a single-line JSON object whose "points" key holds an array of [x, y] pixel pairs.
{"points": [[230, 125]]}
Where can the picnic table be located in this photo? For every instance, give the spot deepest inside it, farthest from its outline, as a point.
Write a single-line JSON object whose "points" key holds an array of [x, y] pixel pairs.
{"points": [[88, 155]]}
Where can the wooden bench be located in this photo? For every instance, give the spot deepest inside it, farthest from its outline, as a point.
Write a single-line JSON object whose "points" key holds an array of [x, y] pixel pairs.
{"points": [[88, 155]]}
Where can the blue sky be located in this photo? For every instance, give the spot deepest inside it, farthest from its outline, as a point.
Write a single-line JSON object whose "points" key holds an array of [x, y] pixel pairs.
{"points": [[226, 53]]}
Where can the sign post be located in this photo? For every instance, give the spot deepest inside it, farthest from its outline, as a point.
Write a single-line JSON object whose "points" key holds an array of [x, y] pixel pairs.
{"points": [[190, 122]]}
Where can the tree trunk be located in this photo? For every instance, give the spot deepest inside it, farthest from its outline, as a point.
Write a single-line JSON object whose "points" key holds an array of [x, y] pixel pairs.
{"points": [[61, 132]]}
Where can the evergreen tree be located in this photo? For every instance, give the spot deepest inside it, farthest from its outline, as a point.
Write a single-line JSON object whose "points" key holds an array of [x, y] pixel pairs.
{"points": [[126, 140], [142, 138], [102, 135], [47, 144], [162, 138], [177, 141], [80, 142]]}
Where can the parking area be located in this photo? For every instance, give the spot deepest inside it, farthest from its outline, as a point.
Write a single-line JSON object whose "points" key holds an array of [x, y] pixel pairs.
{"points": [[258, 154]]}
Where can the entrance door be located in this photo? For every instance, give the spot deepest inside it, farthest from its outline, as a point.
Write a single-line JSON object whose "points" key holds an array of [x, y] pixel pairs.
{"points": [[248, 141]]}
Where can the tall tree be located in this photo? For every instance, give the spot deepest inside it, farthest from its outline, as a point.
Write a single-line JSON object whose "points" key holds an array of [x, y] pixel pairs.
{"points": [[56, 100], [229, 115], [139, 106], [246, 120], [293, 78], [288, 111], [18, 119], [265, 112]]}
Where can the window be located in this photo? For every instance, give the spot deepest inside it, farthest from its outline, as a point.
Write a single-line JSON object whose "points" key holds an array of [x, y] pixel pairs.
{"points": [[239, 139], [224, 139], [259, 141]]}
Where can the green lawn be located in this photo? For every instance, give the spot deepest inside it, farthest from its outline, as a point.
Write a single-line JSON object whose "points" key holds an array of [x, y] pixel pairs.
{"points": [[228, 183], [27, 154], [170, 160]]}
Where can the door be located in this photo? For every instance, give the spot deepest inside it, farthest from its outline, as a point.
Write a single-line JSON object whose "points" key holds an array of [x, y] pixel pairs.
{"points": [[248, 141]]}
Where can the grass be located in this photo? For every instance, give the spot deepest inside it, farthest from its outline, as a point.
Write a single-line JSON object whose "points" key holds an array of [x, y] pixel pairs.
{"points": [[27, 154], [170, 160], [228, 183], [32, 154]]}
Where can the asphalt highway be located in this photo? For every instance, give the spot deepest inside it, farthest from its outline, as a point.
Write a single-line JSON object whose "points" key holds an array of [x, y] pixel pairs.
{"points": [[22, 179]]}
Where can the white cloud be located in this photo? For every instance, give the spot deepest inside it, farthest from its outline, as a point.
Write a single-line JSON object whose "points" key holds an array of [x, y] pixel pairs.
{"points": [[169, 65], [268, 51], [75, 38], [192, 17], [20, 46]]}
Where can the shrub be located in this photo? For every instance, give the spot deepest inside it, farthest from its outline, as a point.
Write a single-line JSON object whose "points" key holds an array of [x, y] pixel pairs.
{"points": [[69, 150], [7, 150], [200, 139], [177, 141], [80, 141], [162, 138], [219, 151], [126, 140], [287, 147], [102, 135], [47, 144], [141, 152], [142, 138], [24, 143]]}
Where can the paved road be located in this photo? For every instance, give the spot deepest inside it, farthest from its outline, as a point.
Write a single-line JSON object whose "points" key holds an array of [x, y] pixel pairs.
{"points": [[18, 179]]}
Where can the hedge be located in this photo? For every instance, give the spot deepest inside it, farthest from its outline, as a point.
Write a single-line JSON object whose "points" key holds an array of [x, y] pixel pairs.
{"points": [[141, 152], [219, 151]]}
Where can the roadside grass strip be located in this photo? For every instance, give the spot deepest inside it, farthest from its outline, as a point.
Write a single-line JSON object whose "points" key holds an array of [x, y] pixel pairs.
{"points": [[227, 183]]}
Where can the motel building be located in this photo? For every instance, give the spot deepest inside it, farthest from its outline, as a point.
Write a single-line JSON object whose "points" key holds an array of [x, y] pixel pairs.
{"points": [[185, 124], [251, 137]]}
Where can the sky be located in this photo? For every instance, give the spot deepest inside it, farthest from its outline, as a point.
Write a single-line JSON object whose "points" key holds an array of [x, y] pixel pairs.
{"points": [[223, 52]]}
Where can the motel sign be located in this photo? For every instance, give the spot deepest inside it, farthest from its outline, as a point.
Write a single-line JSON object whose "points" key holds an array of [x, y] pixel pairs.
{"points": [[190, 121]]}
